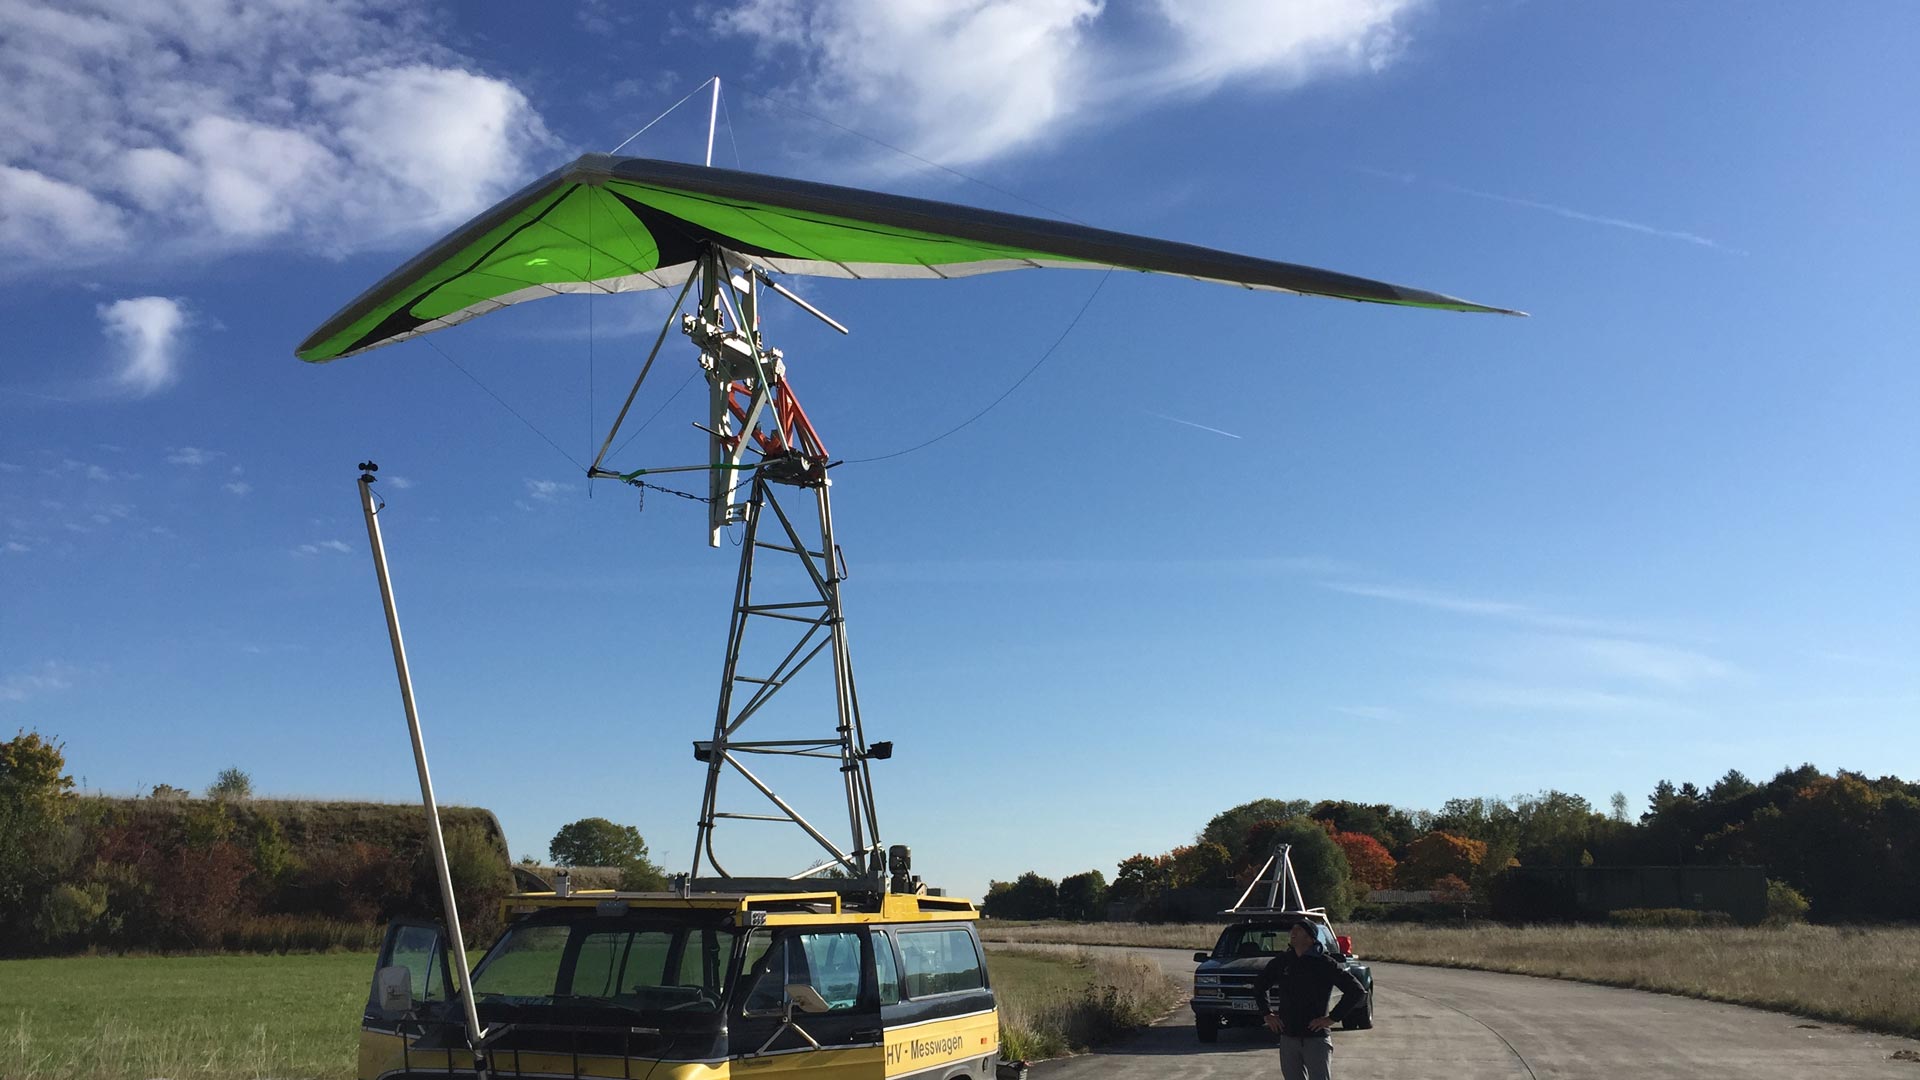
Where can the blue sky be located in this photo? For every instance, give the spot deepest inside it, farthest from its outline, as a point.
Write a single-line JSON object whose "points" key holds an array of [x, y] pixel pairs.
{"points": [[1219, 546]]}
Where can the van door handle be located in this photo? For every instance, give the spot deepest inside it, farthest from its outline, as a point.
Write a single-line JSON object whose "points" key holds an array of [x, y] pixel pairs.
{"points": [[866, 1035]]}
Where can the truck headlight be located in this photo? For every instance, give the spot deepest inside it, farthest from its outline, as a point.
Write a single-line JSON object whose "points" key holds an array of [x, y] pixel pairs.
{"points": [[1206, 980]]}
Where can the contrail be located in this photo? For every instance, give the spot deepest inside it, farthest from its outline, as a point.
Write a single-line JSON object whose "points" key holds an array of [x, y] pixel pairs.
{"points": [[1189, 423], [1551, 208]]}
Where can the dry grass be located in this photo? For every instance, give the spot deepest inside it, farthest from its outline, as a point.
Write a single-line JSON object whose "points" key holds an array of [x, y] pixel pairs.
{"points": [[1053, 1003], [1869, 977], [1138, 935], [1864, 976]]}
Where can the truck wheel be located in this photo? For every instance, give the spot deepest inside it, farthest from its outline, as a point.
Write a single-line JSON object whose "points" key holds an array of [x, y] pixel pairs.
{"points": [[1206, 1027], [1361, 1020]]}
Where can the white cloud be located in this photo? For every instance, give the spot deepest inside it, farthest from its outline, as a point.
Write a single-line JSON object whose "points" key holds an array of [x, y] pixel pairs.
{"points": [[40, 213], [547, 490], [189, 125], [322, 545], [1524, 697], [192, 455], [46, 678], [1646, 662], [145, 330], [238, 487], [14, 547], [962, 81], [399, 482]]}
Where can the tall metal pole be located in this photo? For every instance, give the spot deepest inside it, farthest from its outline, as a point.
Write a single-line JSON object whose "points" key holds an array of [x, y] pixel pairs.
{"points": [[713, 118], [435, 840]]}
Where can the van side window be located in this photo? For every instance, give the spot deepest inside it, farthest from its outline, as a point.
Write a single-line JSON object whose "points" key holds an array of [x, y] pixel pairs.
{"points": [[885, 968], [939, 962], [826, 960]]}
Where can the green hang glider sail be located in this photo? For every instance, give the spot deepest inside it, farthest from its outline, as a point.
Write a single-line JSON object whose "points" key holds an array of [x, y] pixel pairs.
{"points": [[604, 224]]}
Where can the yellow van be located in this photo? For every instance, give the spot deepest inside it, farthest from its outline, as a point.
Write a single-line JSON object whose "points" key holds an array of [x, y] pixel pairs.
{"points": [[825, 985]]}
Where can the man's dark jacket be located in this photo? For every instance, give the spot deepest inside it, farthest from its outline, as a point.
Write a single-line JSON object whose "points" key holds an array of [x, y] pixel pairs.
{"points": [[1303, 984]]}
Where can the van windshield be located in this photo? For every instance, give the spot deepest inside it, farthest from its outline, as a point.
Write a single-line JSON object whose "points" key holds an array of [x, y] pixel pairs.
{"points": [[625, 964]]}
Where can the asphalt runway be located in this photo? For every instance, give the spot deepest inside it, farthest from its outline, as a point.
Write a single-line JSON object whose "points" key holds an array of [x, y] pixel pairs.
{"points": [[1441, 1024]]}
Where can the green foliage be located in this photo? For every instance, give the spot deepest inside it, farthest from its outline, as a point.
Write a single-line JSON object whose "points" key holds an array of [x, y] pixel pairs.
{"points": [[1785, 904], [1393, 827], [1083, 896], [595, 841], [1229, 827], [36, 797], [1667, 918], [482, 876], [1138, 877], [168, 791], [1318, 862], [1029, 896], [69, 914], [1205, 865], [231, 784], [642, 875]]}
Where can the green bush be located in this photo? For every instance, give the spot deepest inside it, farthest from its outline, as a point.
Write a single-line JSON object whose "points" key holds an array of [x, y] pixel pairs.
{"points": [[1667, 918], [1785, 904]]}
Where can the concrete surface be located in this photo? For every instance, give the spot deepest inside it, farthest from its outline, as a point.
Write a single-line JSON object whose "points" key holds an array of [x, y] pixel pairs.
{"points": [[1441, 1024]]}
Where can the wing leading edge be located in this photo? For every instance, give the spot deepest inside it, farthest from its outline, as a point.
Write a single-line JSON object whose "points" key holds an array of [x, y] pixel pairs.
{"points": [[603, 224]]}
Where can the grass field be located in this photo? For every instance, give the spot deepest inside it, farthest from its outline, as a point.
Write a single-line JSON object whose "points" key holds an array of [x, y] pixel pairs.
{"points": [[288, 1017], [182, 1018], [1864, 976]]}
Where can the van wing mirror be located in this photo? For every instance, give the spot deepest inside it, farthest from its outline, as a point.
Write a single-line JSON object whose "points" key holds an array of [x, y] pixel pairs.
{"points": [[419, 950], [1201, 958], [392, 992]]}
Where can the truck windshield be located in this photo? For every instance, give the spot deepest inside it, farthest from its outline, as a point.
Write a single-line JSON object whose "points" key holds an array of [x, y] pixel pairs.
{"points": [[623, 964], [1254, 939]]}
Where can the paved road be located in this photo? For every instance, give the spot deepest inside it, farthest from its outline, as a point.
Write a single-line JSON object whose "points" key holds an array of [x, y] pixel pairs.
{"points": [[1439, 1024]]}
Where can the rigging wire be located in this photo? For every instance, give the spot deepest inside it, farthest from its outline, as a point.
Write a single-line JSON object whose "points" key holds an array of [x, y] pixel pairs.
{"points": [[695, 373], [503, 403], [990, 406], [724, 111], [662, 116], [1008, 392]]}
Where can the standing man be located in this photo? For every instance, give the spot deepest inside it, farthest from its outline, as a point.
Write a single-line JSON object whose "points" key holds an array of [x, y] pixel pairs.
{"points": [[1303, 978]]}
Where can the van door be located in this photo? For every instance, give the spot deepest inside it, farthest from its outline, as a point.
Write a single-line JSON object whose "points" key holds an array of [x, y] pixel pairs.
{"points": [[941, 1020], [406, 1001], [806, 1008]]}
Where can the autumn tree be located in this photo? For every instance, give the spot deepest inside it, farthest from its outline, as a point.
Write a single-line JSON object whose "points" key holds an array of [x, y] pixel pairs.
{"points": [[1367, 859], [1203, 865], [1436, 855], [1139, 877]]}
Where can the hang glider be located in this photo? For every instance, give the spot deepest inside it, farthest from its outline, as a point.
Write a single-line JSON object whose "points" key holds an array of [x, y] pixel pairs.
{"points": [[607, 225]]}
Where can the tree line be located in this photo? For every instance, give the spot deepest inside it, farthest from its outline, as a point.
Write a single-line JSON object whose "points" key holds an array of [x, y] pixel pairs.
{"points": [[228, 871], [1840, 847]]}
